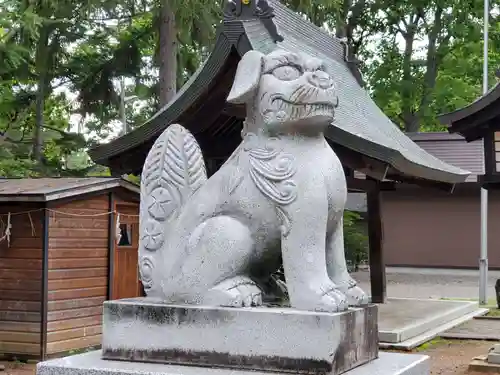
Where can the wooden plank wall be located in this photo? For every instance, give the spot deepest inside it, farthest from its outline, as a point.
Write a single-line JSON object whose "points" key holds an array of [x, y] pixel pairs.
{"points": [[21, 281], [78, 272]]}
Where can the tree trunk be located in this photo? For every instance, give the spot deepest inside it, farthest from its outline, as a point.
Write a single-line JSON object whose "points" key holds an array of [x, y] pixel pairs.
{"points": [[407, 112], [40, 104], [168, 54], [432, 61], [41, 59]]}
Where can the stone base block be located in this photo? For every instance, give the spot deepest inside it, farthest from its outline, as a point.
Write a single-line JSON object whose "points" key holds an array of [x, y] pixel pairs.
{"points": [[494, 355], [273, 339], [481, 364], [494, 358], [92, 364]]}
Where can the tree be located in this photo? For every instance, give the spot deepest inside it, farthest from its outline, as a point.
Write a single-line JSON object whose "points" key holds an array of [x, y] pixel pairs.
{"points": [[417, 73], [408, 51], [191, 22]]}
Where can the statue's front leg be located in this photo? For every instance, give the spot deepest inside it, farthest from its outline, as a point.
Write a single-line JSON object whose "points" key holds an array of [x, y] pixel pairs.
{"points": [[304, 261], [337, 265]]}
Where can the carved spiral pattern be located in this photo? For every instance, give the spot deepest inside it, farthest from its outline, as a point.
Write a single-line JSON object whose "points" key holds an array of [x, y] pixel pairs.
{"points": [[152, 236], [146, 267], [288, 190], [271, 171]]}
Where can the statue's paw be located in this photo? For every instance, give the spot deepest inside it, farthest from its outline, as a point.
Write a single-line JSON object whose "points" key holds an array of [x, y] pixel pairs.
{"points": [[326, 297], [239, 291], [340, 298], [357, 297]]}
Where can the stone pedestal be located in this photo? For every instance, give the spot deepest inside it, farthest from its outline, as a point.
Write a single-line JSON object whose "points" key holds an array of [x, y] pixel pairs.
{"points": [[494, 355], [92, 364], [272, 339]]}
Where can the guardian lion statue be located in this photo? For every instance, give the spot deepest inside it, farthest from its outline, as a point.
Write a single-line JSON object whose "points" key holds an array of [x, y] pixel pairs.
{"points": [[280, 197]]}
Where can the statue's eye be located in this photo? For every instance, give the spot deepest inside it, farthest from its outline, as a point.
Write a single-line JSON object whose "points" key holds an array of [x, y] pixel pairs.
{"points": [[287, 72]]}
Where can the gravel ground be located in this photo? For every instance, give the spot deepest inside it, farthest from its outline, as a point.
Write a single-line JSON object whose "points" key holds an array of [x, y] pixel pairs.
{"points": [[17, 368], [453, 357], [431, 283]]}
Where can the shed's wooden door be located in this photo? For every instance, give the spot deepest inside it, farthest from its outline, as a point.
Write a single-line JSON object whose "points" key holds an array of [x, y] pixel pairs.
{"points": [[126, 282]]}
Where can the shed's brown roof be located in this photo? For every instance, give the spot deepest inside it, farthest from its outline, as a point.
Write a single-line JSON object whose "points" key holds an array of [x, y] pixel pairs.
{"points": [[47, 189], [453, 149]]}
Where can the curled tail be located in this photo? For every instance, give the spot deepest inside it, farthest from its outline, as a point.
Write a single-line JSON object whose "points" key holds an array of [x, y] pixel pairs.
{"points": [[174, 169]]}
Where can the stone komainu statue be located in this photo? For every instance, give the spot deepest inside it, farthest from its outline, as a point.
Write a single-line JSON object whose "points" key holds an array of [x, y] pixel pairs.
{"points": [[279, 197]]}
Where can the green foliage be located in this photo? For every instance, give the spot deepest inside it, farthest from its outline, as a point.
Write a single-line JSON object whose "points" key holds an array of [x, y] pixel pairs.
{"points": [[419, 58], [355, 240], [134, 179], [428, 59], [84, 46]]}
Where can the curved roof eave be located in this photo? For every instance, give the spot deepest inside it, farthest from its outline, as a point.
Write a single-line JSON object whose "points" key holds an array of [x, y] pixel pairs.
{"points": [[193, 89], [479, 104], [394, 158]]}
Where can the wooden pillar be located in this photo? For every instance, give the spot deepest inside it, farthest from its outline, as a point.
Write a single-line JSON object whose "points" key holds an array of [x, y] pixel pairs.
{"points": [[45, 282], [375, 241]]}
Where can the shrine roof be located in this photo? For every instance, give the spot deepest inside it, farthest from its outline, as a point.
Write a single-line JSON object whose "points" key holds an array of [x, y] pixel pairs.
{"points": [[360, 133], [475, 119]]}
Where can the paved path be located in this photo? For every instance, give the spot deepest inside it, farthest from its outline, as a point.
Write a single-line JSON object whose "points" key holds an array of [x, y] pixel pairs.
{"points": [[432, 283], [475, 329]]}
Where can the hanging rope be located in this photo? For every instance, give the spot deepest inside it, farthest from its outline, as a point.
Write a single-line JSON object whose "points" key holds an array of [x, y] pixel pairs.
{"points": [[6, 235], [68, 213], [118, 231], [52, 213], [33, 232]]}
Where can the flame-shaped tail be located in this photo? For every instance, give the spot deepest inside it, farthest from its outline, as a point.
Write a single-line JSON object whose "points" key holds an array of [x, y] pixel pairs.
{"points": [[174, 169]]}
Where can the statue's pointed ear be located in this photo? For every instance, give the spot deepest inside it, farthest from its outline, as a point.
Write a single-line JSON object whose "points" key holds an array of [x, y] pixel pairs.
{"points": [[247, 77]]}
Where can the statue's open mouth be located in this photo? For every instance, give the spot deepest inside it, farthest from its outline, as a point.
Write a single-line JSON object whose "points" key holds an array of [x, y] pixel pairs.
{"points": [[299, 110]]}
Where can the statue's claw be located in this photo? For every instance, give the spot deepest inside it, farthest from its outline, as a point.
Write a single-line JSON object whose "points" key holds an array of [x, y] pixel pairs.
{"points": [[324, 297], [239, 291], [340, 302], [357, 297]]}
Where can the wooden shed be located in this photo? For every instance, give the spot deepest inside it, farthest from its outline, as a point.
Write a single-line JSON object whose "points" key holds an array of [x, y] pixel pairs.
{"points": [[61, 258]]}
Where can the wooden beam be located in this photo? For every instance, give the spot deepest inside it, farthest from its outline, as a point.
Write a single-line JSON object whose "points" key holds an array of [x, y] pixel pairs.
{"points": [[111, 244], [364, 185], [359, 184], [375, 243]]}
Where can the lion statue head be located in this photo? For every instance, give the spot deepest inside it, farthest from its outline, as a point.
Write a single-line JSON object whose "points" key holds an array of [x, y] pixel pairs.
{"points": [[284, 92]]}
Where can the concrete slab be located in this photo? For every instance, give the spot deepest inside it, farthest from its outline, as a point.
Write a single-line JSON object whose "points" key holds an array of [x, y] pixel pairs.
{"points": [[476, 329], [92, 364], [429, 335], [401, 319]]}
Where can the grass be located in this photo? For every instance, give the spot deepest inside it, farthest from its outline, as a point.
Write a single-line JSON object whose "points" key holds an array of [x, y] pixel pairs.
{"points": [[494, 312], [437, 341], [82, 350]]}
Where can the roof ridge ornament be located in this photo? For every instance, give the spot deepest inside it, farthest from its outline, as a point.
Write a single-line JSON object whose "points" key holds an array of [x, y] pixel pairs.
{"points": [[237, 10], [353, 63]]}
